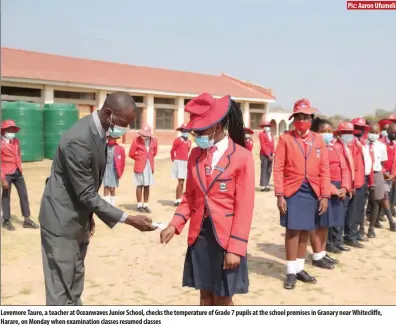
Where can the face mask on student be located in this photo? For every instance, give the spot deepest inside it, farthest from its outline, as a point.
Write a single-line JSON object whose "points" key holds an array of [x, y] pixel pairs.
{"points": [[116, 131], [247, 136], [373, 137], [204, 142], [347, 138], [327, 137], [9, 135], [384, 133], [302, 126], [185, 134], [267, 129]]}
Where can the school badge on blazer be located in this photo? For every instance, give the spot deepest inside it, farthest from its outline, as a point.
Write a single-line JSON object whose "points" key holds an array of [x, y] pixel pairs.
{"points": [[223, 187], [318, 152], [208, 170]]}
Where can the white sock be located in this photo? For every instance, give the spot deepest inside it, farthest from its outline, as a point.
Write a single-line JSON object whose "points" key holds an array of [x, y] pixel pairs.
{"points": [[178, 200], [323, 253], [145, 205], [300, 264], [140, 205], [291, 267], [112, 200], [107, 198], [317, 256]]}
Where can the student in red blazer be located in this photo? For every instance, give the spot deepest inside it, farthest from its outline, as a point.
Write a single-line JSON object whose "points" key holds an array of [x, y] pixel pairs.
{"points": [[385, 123], [302, 186], [11, 173], [360, 125], [218, 201], [340, 186], [115, 166], [143, 151], [392, 197], [355, 210], [249, 140], [267, 151], [179, 156]]}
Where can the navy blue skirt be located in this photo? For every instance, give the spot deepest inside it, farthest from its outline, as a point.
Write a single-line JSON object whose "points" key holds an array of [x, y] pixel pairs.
{"points": [[335, 214], [203, 267], [302, 209]]}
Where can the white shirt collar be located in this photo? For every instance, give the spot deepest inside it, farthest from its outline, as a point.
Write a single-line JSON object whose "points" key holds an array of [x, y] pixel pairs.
{"points": [[222, 145], [6, 140]]}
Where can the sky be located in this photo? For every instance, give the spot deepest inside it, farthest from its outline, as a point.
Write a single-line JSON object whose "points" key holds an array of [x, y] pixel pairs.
{"points": [[343, 61]]}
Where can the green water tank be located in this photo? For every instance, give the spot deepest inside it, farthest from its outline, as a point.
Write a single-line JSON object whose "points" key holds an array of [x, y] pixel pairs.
{"points": [[58, 118], [29, 117]]}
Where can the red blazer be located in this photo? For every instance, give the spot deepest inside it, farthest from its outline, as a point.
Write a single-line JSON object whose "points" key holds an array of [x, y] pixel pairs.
{"points": [[180, 149], [391, 150], [139, 153], [267, 146], [291, 167], [228, 195], [119, 159], [10, 157], [249, 144], [339, 168], [358, 159]]}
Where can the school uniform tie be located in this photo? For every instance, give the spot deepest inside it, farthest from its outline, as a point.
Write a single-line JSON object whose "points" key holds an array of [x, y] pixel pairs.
{"points": [[372, 155], [208, 161]]}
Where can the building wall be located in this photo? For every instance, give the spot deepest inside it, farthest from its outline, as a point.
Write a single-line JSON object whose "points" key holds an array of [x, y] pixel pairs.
{"points": [[88, 100]]}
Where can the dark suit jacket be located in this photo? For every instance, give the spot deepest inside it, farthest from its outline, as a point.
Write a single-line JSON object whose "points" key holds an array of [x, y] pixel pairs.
{"points": [[71, 192]]}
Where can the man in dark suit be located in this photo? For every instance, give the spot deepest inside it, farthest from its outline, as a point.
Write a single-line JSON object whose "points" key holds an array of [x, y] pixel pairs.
{"points": [[71, 198]]}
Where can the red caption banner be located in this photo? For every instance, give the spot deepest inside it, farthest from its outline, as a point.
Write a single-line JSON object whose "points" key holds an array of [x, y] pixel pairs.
{"points": [[371, 5]]}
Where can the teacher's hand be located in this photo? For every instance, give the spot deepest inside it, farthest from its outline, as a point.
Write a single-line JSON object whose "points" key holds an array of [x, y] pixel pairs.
{"points": [[167, 234], [141, 223]]}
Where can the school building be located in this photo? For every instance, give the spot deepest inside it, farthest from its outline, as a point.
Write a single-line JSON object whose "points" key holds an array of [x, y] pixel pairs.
{"points": [[160, 94]]}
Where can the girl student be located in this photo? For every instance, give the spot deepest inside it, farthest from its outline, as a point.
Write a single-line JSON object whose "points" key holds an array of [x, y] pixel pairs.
{"points": [[179, 156], [115, 166], [302, 186], [143, 150], [340, 186], [218, 201], [249, 140]]}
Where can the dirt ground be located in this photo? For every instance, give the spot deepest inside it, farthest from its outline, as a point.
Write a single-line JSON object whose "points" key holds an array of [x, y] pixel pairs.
{"points": [[125, 267]]}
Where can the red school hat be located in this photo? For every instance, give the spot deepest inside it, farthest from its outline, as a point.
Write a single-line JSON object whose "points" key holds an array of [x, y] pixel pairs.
{"points": [[181, 127], [9, 124], [206, 111], [360, 121], [346, 127], [248, 130], [264, 123], [303, 106]]}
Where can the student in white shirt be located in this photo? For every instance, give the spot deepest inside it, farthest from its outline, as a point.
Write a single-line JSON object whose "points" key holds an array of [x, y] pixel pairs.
{"points": [[379, 153]]}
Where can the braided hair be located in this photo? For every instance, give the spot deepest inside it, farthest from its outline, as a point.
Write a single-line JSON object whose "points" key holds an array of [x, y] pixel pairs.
{"points": [[317, 122], [233, 122]]}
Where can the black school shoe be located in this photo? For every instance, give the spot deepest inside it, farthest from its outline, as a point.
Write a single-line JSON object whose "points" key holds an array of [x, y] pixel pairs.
{"points": [[343, 248], [146, 209], [393, 227], [354, 244], [290, 281], [332, 249], [140, 209], [361, 237], [331, 260], [29, 223], [7, 225], [378, 225], [323, 263], [303, 276]]}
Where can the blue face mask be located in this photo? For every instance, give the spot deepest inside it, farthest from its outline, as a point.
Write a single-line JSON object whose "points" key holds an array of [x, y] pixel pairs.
{"points": [[9, 136], [185, 134], [347, 138], [327, 137], [203, 142], [116, 131]]}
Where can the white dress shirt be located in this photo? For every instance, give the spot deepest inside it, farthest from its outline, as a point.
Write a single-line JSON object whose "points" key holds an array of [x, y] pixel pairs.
{"points": [[368, 163], [222, 147], [380, 155]]}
